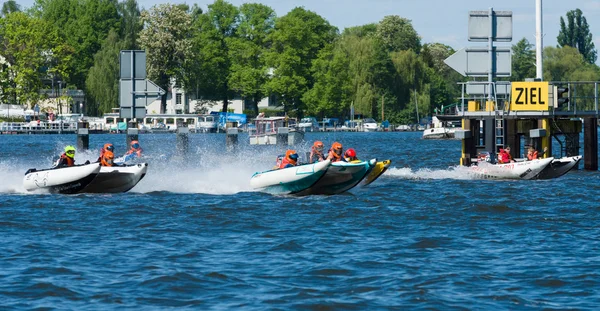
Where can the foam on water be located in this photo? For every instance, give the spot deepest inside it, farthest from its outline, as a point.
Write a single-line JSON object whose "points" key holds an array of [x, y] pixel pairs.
{"points": [[454, 172]]}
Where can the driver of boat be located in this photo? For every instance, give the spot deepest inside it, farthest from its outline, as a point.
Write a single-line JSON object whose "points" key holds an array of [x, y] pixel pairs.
{"points": [[290, 159], [335, 153], [504, 156], [316, 152], [350, 155], [67, 158]]}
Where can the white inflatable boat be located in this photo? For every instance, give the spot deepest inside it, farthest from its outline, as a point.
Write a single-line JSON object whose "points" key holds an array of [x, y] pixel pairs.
{"points": [[115, 179], [67, 180]]}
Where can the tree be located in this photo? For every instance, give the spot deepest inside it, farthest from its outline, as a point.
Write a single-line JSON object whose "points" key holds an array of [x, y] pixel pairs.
{"points": [[576, 33], [398, 34], [166, 37], [215, 31], [10, 6], [523, 61], [30, 45], [249, 72], [565, 64], [330, 95], [295, 43]]}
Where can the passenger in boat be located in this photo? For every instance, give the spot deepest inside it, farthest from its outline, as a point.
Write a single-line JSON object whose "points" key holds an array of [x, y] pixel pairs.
{"points": [[504, 156], [290, 159], [532, 154], [67, 158], [350, 155], [335, 153], [316, 152], [134, 151]]}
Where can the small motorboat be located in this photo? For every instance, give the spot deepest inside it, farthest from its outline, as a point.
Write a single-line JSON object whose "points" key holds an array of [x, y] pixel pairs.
{"points": [[65, 180], [116, 179], [513, 170], [341, 177], [289, 180], [559, 167], [378, 170]]}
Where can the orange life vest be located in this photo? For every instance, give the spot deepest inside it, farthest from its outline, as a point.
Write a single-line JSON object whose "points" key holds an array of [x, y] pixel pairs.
{"points": [[532, 155], [69, 161]]}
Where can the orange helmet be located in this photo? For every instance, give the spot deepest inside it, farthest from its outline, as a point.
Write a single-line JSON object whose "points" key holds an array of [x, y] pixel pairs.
{"points": [[318, 144], [109, 147], [292, 156]]}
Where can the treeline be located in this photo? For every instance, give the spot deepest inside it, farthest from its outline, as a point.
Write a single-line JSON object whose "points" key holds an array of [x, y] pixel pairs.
{"points": [[381, 70]]}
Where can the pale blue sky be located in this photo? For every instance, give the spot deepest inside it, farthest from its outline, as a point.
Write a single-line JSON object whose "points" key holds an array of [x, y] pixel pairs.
{"points": [[442, 21]]}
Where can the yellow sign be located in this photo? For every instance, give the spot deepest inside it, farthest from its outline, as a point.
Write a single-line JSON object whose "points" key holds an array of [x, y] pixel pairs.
{"points": [[529, 96]]}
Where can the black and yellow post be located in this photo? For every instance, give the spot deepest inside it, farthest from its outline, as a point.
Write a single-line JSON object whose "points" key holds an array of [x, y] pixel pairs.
{"points": [[590, 144]]}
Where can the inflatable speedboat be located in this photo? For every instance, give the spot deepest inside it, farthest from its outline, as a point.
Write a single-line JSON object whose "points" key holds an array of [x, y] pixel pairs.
{"points": [[513, 170], [115, 179], [67, 180], [289, 180], [378, 170], [341, 177]]}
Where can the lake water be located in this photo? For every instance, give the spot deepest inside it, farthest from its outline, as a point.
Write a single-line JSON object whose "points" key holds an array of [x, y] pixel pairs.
{"points": [[193, 234]]}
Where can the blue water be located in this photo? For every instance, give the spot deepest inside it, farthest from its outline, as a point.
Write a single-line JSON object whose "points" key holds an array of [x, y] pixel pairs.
{"points": [[193, 235]]}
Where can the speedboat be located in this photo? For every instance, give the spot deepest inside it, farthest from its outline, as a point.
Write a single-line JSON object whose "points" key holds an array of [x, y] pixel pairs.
{"points": [[341, 177], [438, 133], [378, 170], [559, 167], [513, 170], [289, 180], [66, 180], [116, 179]]}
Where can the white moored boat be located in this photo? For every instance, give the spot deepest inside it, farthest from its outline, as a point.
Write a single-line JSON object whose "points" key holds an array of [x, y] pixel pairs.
{"points": [[341, 177], [289, 180], [513, 170], [66, 180], [116, 179]]}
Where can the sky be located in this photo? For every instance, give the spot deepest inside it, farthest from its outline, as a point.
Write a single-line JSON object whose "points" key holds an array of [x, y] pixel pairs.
{"points": [[443, 21]]}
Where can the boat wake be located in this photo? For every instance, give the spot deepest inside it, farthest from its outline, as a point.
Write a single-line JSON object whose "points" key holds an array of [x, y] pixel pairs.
{"points": [[453, 172]]}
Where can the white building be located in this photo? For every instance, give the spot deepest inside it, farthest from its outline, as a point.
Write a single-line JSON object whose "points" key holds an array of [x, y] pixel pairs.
{"points": [[183, 103]]}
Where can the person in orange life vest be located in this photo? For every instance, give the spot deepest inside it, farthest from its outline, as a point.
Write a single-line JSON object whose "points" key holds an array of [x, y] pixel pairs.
{"points": [[107, 147], [532, 154], [107, 158], [504, 156], [350, 155], [316, 152], [290, 159], [135, 149], [335, 153], [67, 158]]}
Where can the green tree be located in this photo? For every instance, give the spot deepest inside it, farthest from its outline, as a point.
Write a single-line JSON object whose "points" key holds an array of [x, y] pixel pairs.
{"points": [[29, 45], [330, 95], [249, 72], [10, 6], [566, 64], [102, 83], [84, 24], [216, 30], [576, 33], [523, 60], [398, 34], [166, 38], [295, 43]]}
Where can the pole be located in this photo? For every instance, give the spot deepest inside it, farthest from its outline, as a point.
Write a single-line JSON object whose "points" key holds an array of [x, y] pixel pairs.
{"points": [[416, 106], [133, 86], [491, 53], [539, 43], [382, 110]]}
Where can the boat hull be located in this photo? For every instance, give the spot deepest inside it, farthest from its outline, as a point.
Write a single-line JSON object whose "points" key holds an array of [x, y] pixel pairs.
{"points": [[378, 170], [64, 180], [514, 170], [117, 179], [289, 180], [559, 167], [438, 133], [340, 177]]}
